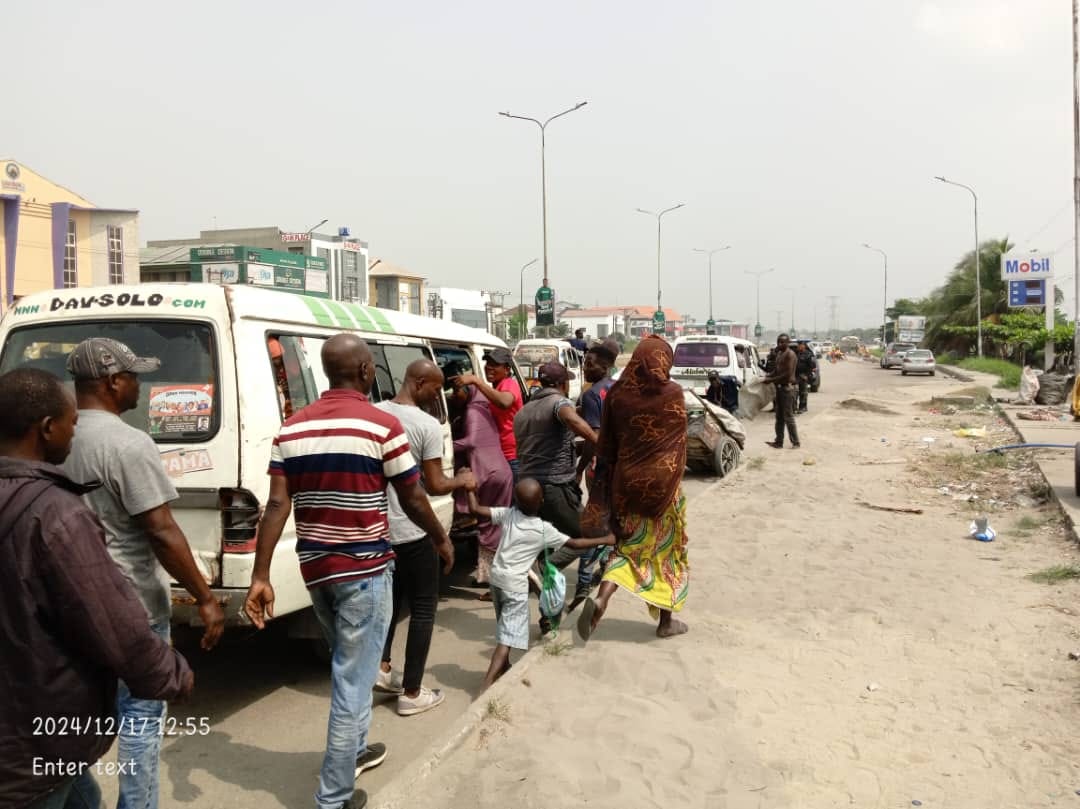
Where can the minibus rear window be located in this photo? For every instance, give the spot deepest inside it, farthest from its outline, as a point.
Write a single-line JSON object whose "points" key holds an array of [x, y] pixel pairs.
{"points": [[179, 402], [702, 355]]}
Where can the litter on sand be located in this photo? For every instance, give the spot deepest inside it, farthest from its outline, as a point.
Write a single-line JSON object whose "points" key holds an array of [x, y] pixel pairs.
{"points": [[981, 530], [970, 432], [893, 509]]}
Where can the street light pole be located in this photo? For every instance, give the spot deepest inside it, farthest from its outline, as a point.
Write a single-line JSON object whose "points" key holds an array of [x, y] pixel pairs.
{"points": [[710, 254], [521, 299], [659, 216], [884, 292], [543, 168], [978, 267], [759, 273], [1076, 186]]}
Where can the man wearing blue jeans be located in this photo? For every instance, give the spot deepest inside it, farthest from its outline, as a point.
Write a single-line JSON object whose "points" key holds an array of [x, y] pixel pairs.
{"points": [[332, 462], [131, 498]]}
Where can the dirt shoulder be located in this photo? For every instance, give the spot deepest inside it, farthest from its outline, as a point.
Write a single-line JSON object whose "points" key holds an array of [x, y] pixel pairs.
{"points": [[839, 655]]}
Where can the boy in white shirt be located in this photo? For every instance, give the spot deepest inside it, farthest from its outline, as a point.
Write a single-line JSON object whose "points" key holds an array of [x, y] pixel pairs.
{"points": [[524, 537]]}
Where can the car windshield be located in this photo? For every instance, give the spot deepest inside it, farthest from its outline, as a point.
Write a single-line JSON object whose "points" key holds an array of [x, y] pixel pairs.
{"points": [[898, 347], [178, 402], [921, 355], [535, 354], [700, 355]]}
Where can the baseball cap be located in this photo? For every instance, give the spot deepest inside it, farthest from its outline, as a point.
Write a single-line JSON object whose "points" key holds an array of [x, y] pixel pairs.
{"points": [[499, 356], [97, 357], [553, 373], [608, 348]]}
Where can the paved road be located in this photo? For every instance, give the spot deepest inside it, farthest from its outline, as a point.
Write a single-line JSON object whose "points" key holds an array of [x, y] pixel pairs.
{"points": [[266, 696]]}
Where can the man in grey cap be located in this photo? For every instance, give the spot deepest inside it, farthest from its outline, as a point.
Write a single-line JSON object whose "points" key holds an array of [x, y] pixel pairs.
{"points": [[143, 539]]}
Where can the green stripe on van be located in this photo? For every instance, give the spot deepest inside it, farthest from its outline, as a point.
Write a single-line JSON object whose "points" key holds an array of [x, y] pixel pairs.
{"points": [[360, 316], [315, 306], [338, 311], [381, 320]]}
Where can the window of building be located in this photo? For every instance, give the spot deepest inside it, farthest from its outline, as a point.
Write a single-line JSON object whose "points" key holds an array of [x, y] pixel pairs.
{"points": [[351, 290], [414, 299], [71, 265], [115, 237]]}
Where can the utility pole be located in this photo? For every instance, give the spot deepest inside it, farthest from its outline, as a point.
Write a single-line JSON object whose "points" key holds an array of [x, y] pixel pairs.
{"points": [[1076, 185], [833, 327]]}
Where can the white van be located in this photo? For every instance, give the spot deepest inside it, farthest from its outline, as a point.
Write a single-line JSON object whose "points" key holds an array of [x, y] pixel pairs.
{"points": [[219, 399], [532, 353], [697, 355]]}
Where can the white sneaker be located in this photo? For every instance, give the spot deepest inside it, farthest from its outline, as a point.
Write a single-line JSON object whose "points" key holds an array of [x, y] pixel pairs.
{"points": [[424, 701], [388, 682]]}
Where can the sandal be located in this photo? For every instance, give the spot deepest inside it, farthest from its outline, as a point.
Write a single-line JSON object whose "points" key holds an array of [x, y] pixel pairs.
{"points": [[584, 623]]}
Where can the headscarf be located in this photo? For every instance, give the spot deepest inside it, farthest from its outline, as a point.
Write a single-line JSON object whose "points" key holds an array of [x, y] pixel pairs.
{"points": [[641, 451]]}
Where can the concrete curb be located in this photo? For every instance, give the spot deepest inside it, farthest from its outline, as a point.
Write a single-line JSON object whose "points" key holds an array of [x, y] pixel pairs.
{"points": [[395, 793], [955, 373], [1070, 524]]}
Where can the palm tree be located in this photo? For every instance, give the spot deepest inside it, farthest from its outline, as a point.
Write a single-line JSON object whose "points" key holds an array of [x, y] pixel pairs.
{"points": [[953, 303]]}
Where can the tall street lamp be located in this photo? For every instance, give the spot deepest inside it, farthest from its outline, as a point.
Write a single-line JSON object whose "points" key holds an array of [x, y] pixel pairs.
{"points": [[543, 168], [521, 298], [710, 254], [758, 331], [659, 217], [978, 267], [793, 290], [884, 292]]}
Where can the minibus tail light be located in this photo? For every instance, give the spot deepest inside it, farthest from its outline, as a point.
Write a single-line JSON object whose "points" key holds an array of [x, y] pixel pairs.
{"points": [[240, 513]]}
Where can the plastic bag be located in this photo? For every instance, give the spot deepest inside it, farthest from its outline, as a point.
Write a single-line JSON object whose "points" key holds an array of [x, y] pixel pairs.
{"points": [[981, 530], [1029, 385], [552, 591], [970, 432]]}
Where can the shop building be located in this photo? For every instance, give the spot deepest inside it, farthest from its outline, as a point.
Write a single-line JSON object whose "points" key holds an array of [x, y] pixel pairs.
{"points": [[346, 257], [53, 238]]}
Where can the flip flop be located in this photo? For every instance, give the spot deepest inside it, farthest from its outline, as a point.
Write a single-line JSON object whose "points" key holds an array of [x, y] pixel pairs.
{"points": [[584, 624]]}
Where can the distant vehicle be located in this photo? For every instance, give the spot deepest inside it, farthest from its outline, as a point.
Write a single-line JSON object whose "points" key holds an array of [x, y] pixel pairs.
{"points": [[918, 361], [696, 355], [893, 356], [825, 347], [531, 354]]}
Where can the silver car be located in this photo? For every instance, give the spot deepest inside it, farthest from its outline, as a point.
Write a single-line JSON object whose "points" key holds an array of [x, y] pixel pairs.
{"points": [[893, 355], [918, 361]]}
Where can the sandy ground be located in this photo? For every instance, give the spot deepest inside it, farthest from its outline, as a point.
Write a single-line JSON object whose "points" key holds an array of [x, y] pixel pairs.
{"points": [[838, 655]]}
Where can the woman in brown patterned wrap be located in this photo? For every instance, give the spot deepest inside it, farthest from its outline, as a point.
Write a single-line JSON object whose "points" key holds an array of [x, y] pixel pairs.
{"points": [[641, 456]]}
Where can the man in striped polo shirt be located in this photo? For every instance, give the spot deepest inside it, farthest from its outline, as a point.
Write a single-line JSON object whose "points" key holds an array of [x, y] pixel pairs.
{"points": [[331, 462]]}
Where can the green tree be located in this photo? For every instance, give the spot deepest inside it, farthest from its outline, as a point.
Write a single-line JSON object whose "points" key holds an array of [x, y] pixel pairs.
{"points": [[953, 304], [518, 326], [905, 306]]}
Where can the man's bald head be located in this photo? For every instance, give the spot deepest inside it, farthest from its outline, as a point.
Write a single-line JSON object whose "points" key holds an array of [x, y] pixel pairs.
{"points": [[347, 363], [423, 381]]}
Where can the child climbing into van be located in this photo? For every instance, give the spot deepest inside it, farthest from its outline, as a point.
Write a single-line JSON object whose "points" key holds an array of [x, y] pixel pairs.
{"points": [[524, 537]]}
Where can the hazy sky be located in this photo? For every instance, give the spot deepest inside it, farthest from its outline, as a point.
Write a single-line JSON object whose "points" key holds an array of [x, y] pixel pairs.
{"points": [[793, 131]]}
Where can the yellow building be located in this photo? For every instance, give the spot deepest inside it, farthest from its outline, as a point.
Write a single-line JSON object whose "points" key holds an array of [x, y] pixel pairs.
{"points": [[52, 238]]}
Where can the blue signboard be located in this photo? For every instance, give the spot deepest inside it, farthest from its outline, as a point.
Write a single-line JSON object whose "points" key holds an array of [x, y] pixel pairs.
{"points": [[1027, 293]]}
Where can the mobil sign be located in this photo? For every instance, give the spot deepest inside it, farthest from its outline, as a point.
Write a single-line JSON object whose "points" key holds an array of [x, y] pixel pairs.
{"points": [[1024, 268]]}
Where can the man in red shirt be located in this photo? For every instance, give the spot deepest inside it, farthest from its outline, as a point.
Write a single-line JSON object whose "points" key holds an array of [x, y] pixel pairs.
{"points": [[504, 398]]}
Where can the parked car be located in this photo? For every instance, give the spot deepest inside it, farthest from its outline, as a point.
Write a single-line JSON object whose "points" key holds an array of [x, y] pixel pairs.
{"points": [[893, 356], [918, 361]]}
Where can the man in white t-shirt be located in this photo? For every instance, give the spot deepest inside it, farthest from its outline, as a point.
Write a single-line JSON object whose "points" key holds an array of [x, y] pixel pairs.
{"points": [[416, 570], [524, 537]]}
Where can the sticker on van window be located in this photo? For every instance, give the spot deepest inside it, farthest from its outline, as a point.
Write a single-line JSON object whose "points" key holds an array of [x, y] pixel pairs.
{"points": [[178, 462], [180, 409]]}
